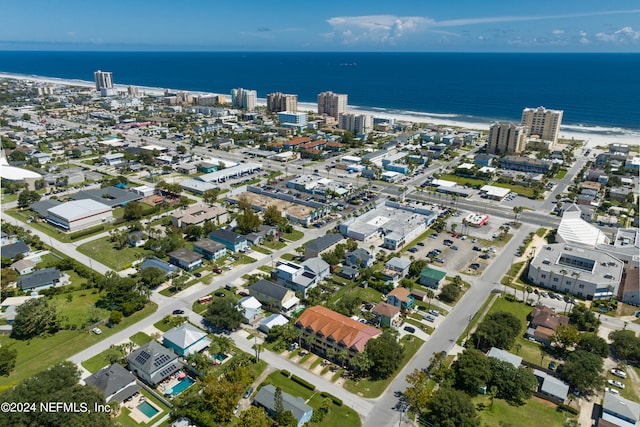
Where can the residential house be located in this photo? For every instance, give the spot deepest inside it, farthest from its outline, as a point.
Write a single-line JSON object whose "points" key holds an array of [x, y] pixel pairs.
{"points": [[295, 276], [275, 319], [543, 324], [387, 314], [234, 242], [9, 306], [185, 259], [266, 398], [432, 278], [316, 247], [273, 295], [348, 272], [252, 309], [40, 279], [317, 266], [398, 265], [550, 387], [158, 263], [114, 382], [186, 339], [153, 363], [359, 258], [401, 298], [136, 238], [209, 249], [15, 249], [24, 266], [323, 329], [505, 356], [620, 411]]}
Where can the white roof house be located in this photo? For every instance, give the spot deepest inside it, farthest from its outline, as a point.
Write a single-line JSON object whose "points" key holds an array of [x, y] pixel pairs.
{"points": [[252, 308], [271, 321], [574, 229]]}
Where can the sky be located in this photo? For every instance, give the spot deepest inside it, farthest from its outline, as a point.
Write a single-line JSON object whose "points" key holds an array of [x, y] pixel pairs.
{"points": [[329, 25]]}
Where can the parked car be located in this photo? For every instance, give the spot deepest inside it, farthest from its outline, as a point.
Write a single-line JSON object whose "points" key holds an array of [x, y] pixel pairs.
{"points": [[454, 247], [410, 329], [552, 366], [474, 266], [485, 256], [97, 331], [243, 293], [219, 294], [247, 393], [420, 243], [434, 312], [619, 373], [477, 248], [177, 312], [413, 250], [611, 390], [197, 274], [429, 318], [616, 384], [217, 270]]}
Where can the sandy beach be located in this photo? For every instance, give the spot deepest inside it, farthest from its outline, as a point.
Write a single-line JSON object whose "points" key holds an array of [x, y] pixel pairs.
{"points": [[591, 135]]}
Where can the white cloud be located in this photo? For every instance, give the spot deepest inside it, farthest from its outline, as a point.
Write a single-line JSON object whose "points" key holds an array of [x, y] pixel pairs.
{"points": [[626, 34], [377, 28], [583, 38], [557, 32]]}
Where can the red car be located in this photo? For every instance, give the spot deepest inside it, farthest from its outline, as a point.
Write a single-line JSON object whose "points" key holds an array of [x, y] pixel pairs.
{"points": [[454, 234], [243, 293]]}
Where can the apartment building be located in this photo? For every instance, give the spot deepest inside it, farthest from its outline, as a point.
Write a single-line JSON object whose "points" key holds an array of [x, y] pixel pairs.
{"points": [[543, 123]]}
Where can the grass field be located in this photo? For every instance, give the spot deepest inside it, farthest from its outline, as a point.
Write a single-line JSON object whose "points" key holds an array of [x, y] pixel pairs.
{"points": [[80, 308], [39, 353], [118, 259], [294, 235], [338, 416], [140, 338], [536, 412]]}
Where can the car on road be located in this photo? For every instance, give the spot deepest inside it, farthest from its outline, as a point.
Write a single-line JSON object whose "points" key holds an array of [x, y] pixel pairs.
{"points": [[97, 331], [616, 384], [247, 393], [619, 373], [177, 312], [219, 294], [410, 329]]}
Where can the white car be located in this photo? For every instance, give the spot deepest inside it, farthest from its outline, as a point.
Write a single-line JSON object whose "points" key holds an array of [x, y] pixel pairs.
{"points": [[97, 331], [619, 373], [611, 390], [616, 384]]}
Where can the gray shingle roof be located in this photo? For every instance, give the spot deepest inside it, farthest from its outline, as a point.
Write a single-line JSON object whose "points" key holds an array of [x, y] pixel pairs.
{"points": [[226, 236], [112, 379], [324, 242], [269, 289], [266, 397], [14, 249], [46, 276]]}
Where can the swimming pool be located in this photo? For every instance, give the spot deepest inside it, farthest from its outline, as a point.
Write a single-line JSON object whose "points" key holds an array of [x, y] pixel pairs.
{"points": [[147, 409], [220, 356], [180, 387]]}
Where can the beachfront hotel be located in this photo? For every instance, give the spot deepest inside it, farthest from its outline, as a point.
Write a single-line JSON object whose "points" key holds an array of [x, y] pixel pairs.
{"points": [[332, 104], [243, 98], [103, 79], [278, 102], [543, 123], [506, 138], [359, 124]]}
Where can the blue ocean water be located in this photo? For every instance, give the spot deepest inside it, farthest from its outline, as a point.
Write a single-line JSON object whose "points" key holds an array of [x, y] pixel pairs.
{"points": [[595, 89]]}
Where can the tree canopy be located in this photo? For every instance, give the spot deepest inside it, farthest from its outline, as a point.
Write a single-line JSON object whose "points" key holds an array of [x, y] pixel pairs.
{"points": [[584, 370], [385, 354], [626, 345], [272, 215], [451, 408], [514, 385], [33, 318], [583, 318], [133, 211], [224, 314], [498, 329], [471, 371], [27, 197], [592, 343]]}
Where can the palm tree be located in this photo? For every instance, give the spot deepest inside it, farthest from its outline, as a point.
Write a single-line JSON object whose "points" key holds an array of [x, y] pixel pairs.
{"points": [[330, 353], [517, 210], [430, 295]]}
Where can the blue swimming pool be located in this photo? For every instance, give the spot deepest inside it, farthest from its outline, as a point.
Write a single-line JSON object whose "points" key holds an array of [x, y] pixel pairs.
{"points": [[147, 409], [220, 356], [180, 387]]}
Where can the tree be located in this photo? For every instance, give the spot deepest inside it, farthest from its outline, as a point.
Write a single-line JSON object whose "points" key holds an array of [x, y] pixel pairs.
{"points": [[517, 210], [565, 337], [278, 406], [592, 343], [583, 318], [8, 357], [33, 318], [515, 385], [418, 393], [498, 329], [133, 211], [152, 277], [385, 354], [224, 313], [360, 364], [450, 292], [8, 275], [255, 417], [27, 197], [193, 232], [272, 215], [625, 345], [451, 408], [584, 370], [210, 196], [472, 371], [248, 221], [416, 267], [115, 317]]}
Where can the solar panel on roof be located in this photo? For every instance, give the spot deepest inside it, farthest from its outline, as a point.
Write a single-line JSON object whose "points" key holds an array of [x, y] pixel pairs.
{"points": [[143, 357]]}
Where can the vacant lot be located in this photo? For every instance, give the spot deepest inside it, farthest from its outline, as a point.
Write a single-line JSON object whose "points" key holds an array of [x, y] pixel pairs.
{"points": [[104, 250]]}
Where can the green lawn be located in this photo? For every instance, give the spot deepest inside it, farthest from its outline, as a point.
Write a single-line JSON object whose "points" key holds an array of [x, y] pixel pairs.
{"points": [[140, 338], [104, 251], [40, 353], [261, 250], [371, 389], [338, 416], [561, 173], [265, 268], [541, 232], [40, 226], [464, 181], [274, 244], [80, 308], [294, 235], [243, 259], [288, 257], [536, 412], [7, 198]]}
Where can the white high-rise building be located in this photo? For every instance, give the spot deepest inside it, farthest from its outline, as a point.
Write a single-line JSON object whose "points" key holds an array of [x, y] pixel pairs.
{"points": [[243, 98], [543, 123], [506, 138], [103, 79], [278, 102], [332, 104], [359, 124]]}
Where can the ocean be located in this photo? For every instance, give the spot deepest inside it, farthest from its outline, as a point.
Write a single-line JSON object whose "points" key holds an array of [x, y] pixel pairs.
{"points": [[594, 89]]}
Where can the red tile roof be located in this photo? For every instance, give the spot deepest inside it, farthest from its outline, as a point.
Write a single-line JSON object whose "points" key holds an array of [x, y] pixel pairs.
{"points": [[340, 328], [297, 140]]}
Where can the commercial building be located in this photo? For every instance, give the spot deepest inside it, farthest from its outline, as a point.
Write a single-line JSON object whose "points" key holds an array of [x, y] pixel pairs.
{"points": [[243, 98], [111, 196], [332, 104], [278, 101], [79, 214], [506, 138], [198, 215], [358, 124], [292, 119], [103, 79], [525, 164], [542, 123], [586, 272]]}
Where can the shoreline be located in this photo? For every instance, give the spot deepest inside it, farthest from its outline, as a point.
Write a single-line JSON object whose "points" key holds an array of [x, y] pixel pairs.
{"points": [[591, 135]]}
